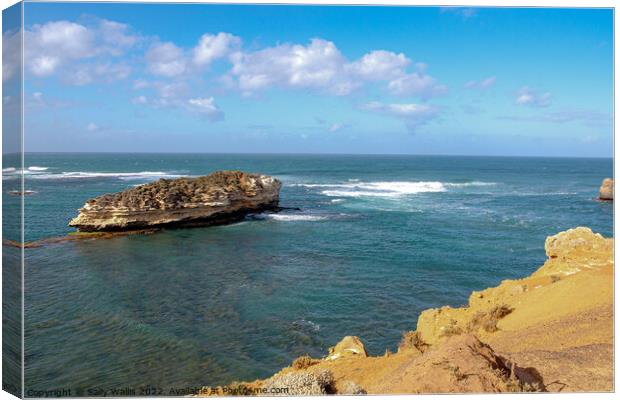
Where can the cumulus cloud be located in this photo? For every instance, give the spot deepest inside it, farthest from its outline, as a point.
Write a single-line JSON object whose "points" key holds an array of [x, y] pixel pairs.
{"points": [[321, 66], [380, 65], [116, 37], [84, 74], [414, 115], [166, 59], [92, 127], [527, 96], [482, 84], [213, 47], [11, 54], [206, 106], [417, 84], [52, 46]]}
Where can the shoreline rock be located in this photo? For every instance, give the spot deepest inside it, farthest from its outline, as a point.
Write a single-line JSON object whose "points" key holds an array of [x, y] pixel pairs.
{"points": [[551, 331], [606, 192], [219, 198]]}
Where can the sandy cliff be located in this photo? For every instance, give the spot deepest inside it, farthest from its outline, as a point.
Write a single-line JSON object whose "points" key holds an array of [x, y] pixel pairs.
{"points": [[551, 331]]}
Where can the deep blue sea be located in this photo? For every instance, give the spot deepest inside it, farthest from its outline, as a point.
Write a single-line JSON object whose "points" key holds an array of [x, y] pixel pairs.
{"points": [[378, 239]]}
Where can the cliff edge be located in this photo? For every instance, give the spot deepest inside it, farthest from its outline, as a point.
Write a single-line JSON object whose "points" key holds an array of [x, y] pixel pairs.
{"points": [[551, 331], [221, 197]]}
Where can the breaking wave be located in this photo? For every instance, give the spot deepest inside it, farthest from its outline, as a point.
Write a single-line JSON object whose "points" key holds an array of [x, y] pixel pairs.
{"points": [[355, 188], [293, 217], [126, 176]]}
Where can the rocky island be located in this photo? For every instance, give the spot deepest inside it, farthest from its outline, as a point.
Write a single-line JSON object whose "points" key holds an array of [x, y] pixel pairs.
{"points": [[219, 198], [549, 332]]}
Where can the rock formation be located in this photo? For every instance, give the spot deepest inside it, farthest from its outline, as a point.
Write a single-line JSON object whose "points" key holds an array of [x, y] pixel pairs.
{"points": [[606, 192], [551, 331], [349, 345], [221, 197]]}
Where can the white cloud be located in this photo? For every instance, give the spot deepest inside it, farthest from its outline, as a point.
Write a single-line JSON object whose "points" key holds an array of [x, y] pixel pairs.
{"points": [[116, 37], [212, 47], [417, 84], [337, 126], [414, 115], [318, 65], [176, 95], [206, 106], [84, 74], [91, 127], [533, 98], [483, 84], [51, 47], [380, 65], [167, 93], [321, 66], [166, 59], [11, 54]]}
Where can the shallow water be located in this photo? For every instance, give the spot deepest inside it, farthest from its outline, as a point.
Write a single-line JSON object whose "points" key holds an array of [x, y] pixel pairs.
{"points": [[379, 239]]}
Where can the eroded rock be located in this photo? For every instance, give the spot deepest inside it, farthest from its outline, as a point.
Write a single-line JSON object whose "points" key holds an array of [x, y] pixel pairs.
{"points": [[218, 198], [348, 346], [606, 192]]}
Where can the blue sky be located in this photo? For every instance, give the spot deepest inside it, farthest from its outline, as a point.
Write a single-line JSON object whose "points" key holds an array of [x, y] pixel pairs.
{"points": [[297, 79]]}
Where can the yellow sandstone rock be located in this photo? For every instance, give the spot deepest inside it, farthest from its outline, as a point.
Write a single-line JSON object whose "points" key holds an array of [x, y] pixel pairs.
{"points": [[348, 346], [551, 331]]}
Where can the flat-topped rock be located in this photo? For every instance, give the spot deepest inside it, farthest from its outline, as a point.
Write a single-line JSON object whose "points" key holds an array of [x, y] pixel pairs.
{"points": [[219, 198]]}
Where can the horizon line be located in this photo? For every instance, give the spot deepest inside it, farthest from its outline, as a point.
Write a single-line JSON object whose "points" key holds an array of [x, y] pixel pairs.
{"points": [[310, 154]]}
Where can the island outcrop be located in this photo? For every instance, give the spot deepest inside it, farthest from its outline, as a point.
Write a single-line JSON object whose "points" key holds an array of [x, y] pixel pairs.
{"points": [[606, 192], [219, 198], [551, 331]]}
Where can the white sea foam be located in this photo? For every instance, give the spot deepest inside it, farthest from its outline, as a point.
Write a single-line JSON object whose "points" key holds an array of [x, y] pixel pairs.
{"points": [[35, 168], [383, 189], [307, 323], [294, 217], [468, 184], [8, 170], [148, 175], [355, 188]]}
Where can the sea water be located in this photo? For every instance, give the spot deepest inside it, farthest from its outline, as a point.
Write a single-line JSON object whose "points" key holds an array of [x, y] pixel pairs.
{"points": [[376, 240]]}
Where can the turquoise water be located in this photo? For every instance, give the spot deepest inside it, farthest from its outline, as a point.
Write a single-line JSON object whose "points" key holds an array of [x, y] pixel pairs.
{"points": [[377, 240]]}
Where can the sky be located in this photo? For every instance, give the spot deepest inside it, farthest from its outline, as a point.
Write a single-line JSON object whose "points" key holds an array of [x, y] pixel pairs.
{"points": [[315, 79]]}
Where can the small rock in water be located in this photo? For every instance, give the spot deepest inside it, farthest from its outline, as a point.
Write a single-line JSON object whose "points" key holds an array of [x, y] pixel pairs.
{"points": [[606, 192]]}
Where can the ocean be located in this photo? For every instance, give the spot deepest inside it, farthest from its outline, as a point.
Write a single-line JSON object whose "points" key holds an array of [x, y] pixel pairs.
{"points": [[377, 240]]}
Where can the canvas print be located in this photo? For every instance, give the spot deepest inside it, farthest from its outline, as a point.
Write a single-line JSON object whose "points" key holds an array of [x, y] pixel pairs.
{"points": [[284, 200]]}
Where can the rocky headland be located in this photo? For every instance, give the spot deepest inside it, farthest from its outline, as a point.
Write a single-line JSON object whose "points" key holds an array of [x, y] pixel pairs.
{"points": [[219, 198], [551, 331]]}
